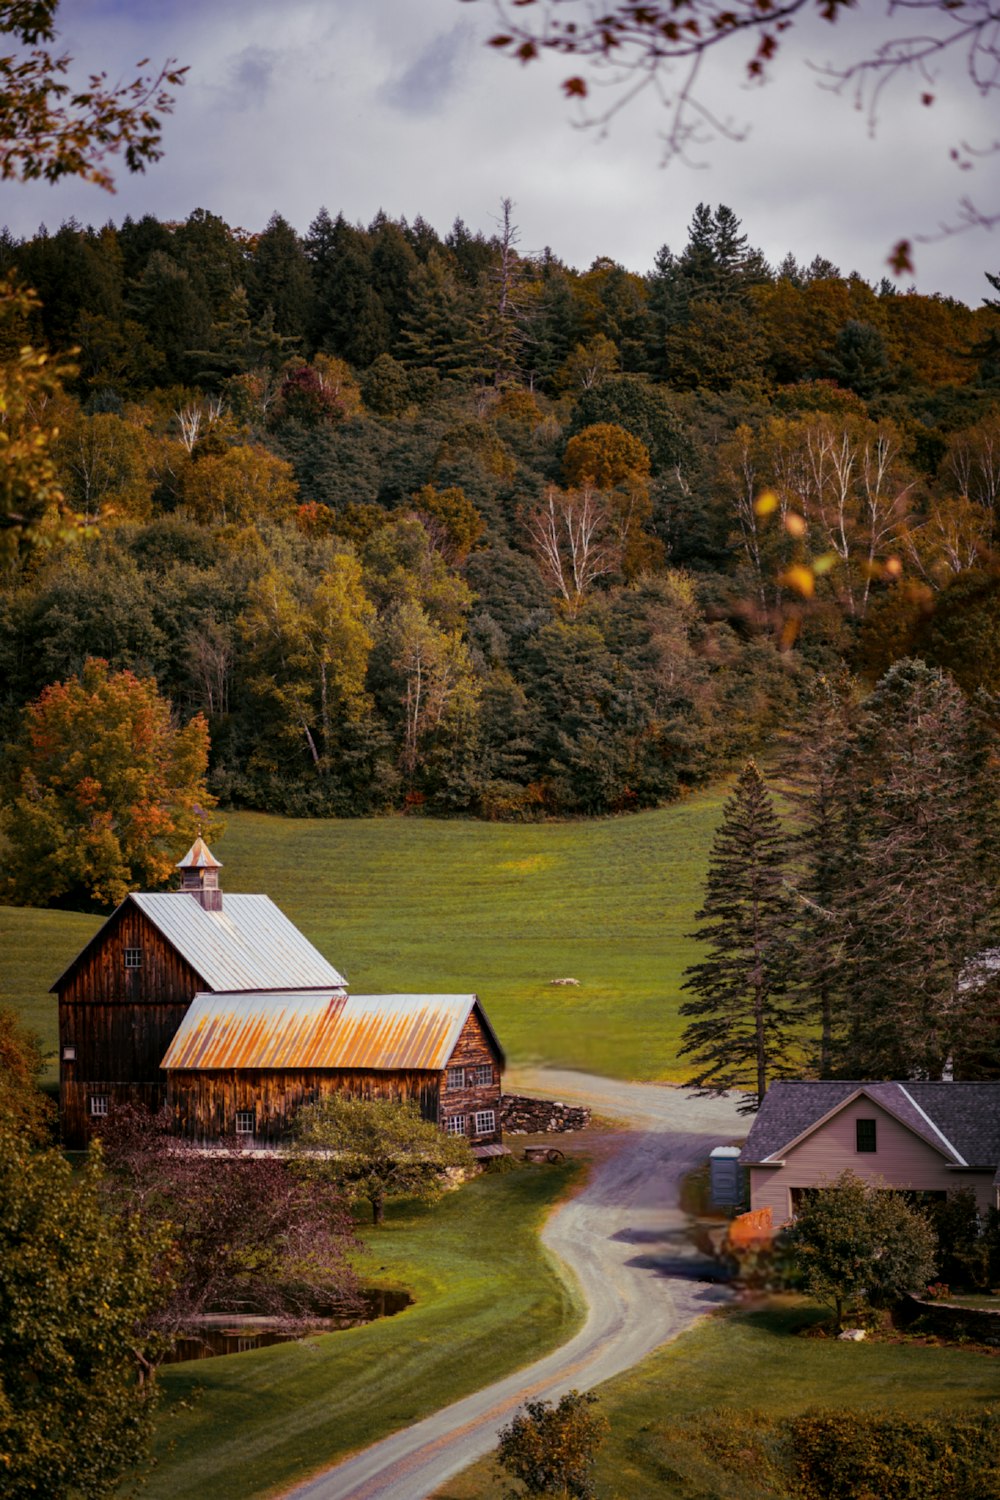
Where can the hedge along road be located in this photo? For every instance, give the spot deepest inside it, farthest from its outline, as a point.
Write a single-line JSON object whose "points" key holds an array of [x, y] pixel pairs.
{"points": [[622, 1236]]}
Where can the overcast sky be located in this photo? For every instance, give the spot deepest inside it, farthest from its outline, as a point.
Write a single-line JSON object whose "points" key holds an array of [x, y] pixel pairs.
{"points": [[398, 104]]}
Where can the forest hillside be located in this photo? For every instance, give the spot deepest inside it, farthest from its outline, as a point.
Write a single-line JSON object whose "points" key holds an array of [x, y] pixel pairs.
{"points": [[424, 522]]}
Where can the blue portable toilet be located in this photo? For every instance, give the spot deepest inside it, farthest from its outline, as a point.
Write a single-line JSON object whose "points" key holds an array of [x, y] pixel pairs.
{"points": [[725, 1177]]}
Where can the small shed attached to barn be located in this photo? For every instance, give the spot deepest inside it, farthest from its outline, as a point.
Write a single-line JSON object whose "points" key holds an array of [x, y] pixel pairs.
{"points": [[244, 1063]]}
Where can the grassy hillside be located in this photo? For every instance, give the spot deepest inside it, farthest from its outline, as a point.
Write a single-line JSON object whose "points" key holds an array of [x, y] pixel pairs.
{"points": [[254, 1423], [412, 904], [743, 1361]]}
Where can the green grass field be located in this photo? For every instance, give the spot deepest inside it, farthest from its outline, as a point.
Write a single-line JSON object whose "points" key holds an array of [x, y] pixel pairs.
{"points": [[404, 904], [748, 1361], [485, 1304]]}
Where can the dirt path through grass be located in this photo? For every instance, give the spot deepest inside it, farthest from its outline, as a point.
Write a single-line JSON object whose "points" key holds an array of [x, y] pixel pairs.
{"points": [[623, 1237]]}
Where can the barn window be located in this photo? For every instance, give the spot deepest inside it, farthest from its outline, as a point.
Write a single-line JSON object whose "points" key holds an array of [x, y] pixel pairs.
{"points": [[483, 1074], [69, 1053], [455, 1078], [865, 1135], [455, 1125], [246, 1122], [99, 1104], [133, 958], [486, 1121]]}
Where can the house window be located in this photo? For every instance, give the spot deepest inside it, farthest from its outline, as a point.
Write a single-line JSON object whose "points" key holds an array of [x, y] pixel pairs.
{"points": [[483, 1074], [246, 1122], [69, 1054], [486, 1121], [455, 1125], [865, 1135], [99, 1105], [133, 958], [455, 1078]]}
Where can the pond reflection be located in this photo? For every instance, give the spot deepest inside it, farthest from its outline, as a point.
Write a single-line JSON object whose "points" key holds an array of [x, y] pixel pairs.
{"points": [[234, 1335]]}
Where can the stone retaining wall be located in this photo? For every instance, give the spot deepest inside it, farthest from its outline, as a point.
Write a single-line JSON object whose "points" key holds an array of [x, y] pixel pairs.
{"points": [[522, 1116], [950, 1321]]}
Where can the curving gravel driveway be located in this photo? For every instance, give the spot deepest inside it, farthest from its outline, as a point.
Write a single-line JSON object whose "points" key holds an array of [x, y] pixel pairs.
{"points": [[622, 1236]]}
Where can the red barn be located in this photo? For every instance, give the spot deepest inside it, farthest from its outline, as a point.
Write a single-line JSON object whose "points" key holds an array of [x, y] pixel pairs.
{"points": [[221, 1009]]}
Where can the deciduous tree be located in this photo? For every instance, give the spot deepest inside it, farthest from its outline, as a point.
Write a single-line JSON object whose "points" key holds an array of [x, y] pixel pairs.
{"points": [[29, 382], [24, 1109], [79, 1291], [103, 788], [552, 1449], [375, 1149], [855, 1245], [573, 543], [244, 1231], [48, 130]]}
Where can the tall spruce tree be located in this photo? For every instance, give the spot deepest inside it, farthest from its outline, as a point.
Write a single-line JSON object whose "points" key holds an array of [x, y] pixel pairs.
{"points": [[746, 1021], [917, 876], [816, 786]]}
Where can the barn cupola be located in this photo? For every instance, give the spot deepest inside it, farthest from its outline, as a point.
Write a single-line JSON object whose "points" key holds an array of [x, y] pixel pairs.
{"points": [[200, 875]]}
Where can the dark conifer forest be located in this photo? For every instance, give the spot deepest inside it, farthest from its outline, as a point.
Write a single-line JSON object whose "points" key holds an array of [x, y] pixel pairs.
{"points": [[430, 522]]}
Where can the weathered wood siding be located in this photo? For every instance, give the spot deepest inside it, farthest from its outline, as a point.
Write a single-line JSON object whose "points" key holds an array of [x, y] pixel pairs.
{"points": [[472, 1050], [120, 1021], [205, 1103], [901, 1160]]}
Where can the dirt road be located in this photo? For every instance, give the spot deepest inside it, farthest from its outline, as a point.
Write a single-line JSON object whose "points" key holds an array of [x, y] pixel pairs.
{"points": [[621, 1236]]}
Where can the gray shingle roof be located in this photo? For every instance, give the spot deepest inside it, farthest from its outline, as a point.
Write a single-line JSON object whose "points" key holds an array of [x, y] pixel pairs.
{"points": [[249, 945], [962, 1120]]}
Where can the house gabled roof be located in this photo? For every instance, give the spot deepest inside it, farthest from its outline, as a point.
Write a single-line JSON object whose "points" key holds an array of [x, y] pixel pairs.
{"points": [[960, 1120], [322, 1029], [249, 945]]}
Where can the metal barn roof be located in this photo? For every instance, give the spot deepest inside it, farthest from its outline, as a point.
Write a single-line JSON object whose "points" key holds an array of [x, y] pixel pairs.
{"points": [[323, 1029], [249, 945]]}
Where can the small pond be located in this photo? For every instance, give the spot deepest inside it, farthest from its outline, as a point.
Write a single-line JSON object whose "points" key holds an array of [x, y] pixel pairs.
{"points": [[235, 1335]]}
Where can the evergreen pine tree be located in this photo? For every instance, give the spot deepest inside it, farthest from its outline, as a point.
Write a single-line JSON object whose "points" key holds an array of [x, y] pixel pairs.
{"points": [[918, 875], [815, 784], [746, 1020], [279, 277]]}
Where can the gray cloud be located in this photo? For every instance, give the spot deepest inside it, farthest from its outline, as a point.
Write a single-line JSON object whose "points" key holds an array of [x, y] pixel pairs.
{"points": [[427, 84], [250, 74], [402, 106]]}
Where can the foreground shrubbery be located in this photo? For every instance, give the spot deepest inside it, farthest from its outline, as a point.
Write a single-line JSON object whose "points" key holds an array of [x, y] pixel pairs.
{"points": [[836, 1454]]}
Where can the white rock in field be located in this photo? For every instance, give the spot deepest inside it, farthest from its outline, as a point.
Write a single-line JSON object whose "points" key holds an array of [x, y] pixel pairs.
{"points": [[565, 981], [852, 1335]]}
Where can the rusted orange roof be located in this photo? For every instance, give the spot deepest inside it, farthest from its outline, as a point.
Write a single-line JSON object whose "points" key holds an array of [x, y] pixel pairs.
{"points": [[320, 1029]]}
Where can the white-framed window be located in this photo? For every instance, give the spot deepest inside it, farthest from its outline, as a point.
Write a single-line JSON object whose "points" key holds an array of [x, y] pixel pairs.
{"points": [[485, 1121], [133, 958], [99, 1105], [456, 1125], [482, 1074], [246, 1122], [455, 1078], [69, 1053]]}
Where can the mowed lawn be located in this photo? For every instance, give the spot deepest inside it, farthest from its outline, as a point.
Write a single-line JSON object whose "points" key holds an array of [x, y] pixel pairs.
{"points": [[401, 904], [487, 1301], [745, 1361]]}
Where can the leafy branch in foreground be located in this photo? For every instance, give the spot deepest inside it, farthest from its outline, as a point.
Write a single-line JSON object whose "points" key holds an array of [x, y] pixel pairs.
{"points": [[48, 130], [633, 46]]}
